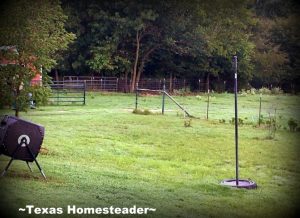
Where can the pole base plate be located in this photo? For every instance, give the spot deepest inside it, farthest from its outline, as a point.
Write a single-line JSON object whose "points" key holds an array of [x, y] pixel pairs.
{"points": [[242, 183]]}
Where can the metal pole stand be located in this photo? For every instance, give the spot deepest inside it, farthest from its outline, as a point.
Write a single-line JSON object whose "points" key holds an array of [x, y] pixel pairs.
{"points": [[237, 182], [33, 157]]}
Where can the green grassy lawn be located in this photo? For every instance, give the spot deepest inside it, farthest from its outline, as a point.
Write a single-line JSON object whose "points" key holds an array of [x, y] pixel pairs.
{"points": [[102, 154]]}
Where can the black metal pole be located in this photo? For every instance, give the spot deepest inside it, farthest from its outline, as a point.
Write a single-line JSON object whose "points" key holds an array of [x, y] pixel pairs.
{"points": [[259, 113], [36, 162], [57, 93], [163, 97], [243, 183], [136, 96], [207, 106], [84, 89], [236, 123]]}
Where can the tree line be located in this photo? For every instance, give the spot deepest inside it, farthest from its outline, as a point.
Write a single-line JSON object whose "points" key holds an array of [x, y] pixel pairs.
{"points": [[185, 39], [136, 39]]}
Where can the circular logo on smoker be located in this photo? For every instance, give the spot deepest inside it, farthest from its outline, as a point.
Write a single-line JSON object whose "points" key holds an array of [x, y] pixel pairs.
{"points": [[23, 140]]}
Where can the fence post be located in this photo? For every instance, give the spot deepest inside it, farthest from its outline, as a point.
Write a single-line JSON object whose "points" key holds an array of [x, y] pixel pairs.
{"points": [[136, 95], [199, 85], [207, 106], [57, 94], [259, 113], [84, 89], [117, 84], [163, 97]]}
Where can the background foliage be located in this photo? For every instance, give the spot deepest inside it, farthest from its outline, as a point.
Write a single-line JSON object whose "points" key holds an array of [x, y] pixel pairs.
{"points": [[187, 39]]}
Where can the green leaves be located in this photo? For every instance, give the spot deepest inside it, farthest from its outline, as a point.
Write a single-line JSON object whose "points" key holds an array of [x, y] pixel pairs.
{"points": [[36, 29]]}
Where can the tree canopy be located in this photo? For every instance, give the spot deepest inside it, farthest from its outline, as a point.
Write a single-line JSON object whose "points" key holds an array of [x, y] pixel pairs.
{"points": [[150, 38], [184, 39], [36, 30]]}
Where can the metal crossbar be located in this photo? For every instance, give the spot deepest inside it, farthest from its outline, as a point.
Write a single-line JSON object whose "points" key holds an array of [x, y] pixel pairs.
{"points": [[163, 102]]}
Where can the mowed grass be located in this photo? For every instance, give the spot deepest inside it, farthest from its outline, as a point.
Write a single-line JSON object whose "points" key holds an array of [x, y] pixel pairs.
{"points": [[102, 154]]}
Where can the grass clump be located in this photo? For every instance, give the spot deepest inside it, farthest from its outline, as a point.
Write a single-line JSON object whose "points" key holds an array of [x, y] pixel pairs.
{"points": [[292, 124], [142, 112], [188, 123]]}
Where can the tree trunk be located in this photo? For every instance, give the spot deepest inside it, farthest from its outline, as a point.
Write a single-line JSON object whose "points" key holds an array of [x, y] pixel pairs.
{"points": [[126, 82], [56, 75], [143, 61], [133, 76], [17, 112], [17, 107], [141, 68]]}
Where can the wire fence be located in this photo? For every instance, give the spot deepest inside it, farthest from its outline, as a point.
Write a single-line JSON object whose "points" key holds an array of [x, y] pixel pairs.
{"points": [[115, 84]]}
